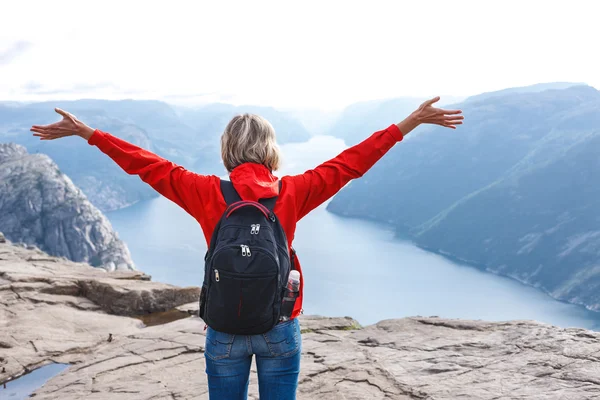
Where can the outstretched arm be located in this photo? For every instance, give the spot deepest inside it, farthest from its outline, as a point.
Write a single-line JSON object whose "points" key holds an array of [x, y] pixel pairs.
{"points": [[316, 186], [172, 181]]}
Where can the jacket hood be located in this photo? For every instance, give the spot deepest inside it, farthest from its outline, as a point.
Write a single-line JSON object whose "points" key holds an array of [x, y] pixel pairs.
{"points": [[254, 181]]}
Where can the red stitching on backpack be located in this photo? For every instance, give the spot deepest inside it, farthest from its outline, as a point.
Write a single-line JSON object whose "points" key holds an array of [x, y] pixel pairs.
{"points": [[240, 204]]}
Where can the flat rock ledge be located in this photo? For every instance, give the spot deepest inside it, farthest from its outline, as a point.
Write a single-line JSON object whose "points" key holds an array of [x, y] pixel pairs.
{"points": [[409, 358]]}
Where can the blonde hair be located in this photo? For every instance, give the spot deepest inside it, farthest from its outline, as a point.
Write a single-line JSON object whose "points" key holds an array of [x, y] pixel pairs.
{"points": [[249, 138]]}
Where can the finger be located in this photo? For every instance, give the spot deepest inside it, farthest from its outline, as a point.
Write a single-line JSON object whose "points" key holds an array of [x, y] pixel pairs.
{"points": [[452, 126], [54, 131], [431, 101], [47, 131], [48, 137], [45, 126], [452, 120], [65, 114], [39, 130], [451, 112], [451, 116]]}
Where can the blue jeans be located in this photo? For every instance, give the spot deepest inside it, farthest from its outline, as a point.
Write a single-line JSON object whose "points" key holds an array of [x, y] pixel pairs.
{"points": [[228, 359]]}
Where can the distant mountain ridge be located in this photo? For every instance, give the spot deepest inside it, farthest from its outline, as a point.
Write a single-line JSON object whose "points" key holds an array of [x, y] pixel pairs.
{"points": [[514, 191], [538, 87], [359, 120], [189, 137]]}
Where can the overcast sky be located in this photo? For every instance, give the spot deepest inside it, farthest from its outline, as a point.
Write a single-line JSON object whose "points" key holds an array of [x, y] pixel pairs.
{"points": [[322, 54]]}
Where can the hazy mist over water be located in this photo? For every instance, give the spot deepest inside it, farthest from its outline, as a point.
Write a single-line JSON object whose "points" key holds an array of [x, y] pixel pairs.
{"points": [[351, 267]]}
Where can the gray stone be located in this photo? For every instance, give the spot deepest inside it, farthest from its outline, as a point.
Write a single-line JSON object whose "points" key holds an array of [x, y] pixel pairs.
{"points": [[41, 207], [52, 309], [45, 317]]}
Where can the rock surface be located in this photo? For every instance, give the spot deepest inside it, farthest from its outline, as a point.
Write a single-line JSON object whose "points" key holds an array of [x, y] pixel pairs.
{"points": [[40, 206], [45, 317], [52, 309]]}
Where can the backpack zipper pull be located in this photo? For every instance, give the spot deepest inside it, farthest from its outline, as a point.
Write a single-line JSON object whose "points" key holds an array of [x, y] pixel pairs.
{"points": [[217, 279], [248, 251], [253, 230], [257, 229], [243, 250]]}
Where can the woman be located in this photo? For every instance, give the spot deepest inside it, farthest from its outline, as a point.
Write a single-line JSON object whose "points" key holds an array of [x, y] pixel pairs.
{"points": [[250, 155]]}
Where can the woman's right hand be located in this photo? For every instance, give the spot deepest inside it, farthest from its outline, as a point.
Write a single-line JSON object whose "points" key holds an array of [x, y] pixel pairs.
{"points": [[68, 126]]}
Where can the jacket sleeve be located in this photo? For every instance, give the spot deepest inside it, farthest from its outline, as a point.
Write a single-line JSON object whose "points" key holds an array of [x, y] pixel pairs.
{"points": [[316, 186], [172, 181]]}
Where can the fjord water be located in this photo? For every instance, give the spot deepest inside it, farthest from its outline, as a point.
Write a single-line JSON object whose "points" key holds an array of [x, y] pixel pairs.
{"points": [[351, 267]]}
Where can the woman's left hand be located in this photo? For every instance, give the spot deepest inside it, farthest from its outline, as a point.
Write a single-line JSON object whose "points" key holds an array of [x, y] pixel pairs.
{"points": [[427, 114]]}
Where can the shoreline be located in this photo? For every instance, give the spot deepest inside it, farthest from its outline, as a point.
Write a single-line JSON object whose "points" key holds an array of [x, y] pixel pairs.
{"points": [[404, 236]]}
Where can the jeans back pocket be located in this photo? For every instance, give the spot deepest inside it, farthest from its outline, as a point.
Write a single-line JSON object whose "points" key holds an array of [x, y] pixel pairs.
{"points": [[218, 344], [284, 339]]}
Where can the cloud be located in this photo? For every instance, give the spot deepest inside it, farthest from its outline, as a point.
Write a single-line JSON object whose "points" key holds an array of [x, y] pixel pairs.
{"points": [[32, 86], [79, 88], [7, 56]]}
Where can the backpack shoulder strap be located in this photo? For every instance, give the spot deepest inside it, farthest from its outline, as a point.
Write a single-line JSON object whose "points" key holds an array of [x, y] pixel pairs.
{"points": [[270, 202], [229, 193]]}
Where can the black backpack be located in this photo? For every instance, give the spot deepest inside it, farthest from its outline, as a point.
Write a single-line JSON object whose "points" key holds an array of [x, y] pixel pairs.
{"points": [[246, 268]]}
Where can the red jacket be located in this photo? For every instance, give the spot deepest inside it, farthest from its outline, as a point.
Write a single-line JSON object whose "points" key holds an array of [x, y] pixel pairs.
{"points": [[200, 195]]}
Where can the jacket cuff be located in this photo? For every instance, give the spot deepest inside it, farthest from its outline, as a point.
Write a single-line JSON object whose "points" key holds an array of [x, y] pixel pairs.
{"points": [[395, 132], [97, 136]]}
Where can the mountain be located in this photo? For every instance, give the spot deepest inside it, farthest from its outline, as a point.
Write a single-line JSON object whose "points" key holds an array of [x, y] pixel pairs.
{"points": [[97, 175], [213, 118], [189, 137], [514, 191], [359, 120], [538, 87], [41, 206], [315, 120]]}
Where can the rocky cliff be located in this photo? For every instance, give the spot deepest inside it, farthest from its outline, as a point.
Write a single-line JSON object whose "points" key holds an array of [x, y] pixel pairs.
{"points": [[41, 206], [52, 310]]}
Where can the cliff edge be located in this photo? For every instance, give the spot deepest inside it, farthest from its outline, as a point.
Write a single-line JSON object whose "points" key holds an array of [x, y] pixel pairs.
{"points": [[52, 310]]}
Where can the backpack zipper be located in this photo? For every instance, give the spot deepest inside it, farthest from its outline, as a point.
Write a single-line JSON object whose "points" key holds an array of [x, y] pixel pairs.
{"points": [[217, 279], [245, 250], [254, 229]]}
